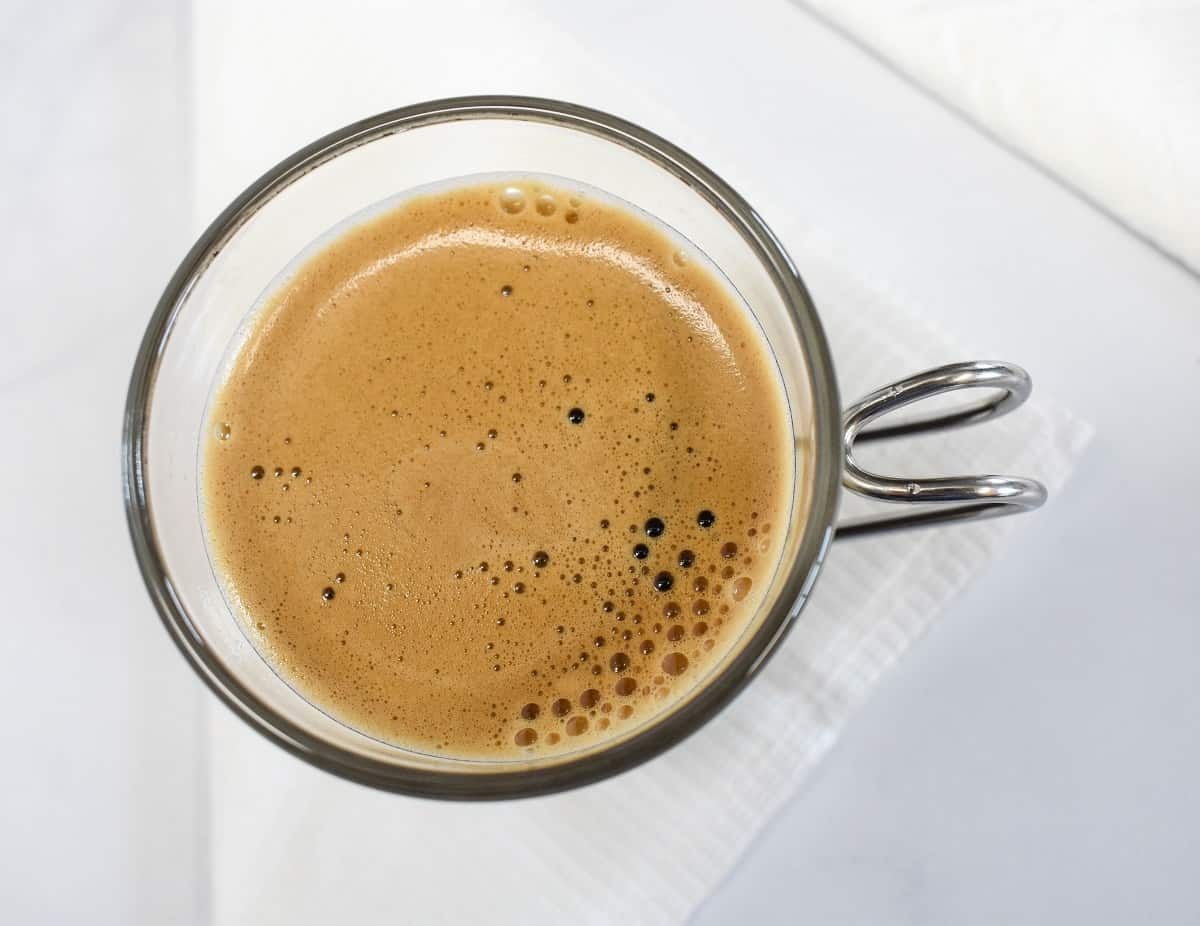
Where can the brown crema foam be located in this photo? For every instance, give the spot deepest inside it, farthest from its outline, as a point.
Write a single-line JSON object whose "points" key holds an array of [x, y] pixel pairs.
{"points": [[499, 471]]}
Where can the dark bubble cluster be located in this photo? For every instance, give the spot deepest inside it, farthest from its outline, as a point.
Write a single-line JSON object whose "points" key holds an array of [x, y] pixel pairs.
{"points": [[641, 660]]}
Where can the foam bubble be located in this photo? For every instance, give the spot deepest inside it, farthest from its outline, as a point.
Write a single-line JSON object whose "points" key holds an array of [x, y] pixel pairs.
{"points": [[577, 725], [512, 200]]}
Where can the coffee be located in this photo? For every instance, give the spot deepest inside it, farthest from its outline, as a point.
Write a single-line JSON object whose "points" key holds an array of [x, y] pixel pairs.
{"points": [[499, 469]]}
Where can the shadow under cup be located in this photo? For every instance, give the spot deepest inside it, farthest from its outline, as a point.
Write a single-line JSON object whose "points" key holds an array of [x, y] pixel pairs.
{"points": [[241, 253]]}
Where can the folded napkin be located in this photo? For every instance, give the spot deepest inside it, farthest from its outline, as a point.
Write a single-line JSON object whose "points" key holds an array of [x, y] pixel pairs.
{"points": [[1103, 93], [293, 845], [289, 844]]}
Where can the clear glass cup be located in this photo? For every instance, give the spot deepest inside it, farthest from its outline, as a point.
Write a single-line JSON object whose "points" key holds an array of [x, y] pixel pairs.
{"points": [[279, 215]]}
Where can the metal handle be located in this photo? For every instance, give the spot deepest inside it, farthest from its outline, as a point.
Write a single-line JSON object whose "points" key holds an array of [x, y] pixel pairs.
{"points": [[957, 498]]}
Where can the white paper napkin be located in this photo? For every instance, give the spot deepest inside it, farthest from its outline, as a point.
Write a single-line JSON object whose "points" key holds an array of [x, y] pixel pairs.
{"points": [[1103, 93], [292, 845]]}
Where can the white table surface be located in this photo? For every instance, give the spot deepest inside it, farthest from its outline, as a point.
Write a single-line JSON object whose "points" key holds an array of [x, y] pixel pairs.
{"points": [[1034, 760]]}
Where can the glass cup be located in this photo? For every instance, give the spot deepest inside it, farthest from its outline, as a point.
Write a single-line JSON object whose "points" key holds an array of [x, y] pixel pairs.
{"points": [[313, 190]]}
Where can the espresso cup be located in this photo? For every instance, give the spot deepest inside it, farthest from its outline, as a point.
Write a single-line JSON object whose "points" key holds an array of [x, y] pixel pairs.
{"points": [[294, 203]]}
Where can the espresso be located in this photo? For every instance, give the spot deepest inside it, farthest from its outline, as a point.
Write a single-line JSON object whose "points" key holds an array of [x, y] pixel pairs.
{"points": [[497, 470]]}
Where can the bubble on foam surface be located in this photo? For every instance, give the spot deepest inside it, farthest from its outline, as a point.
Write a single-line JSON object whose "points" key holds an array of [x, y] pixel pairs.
{"points": [[512, 199]]}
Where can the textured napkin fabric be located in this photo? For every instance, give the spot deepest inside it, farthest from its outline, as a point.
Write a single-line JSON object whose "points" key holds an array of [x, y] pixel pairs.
{"points": [[293, 845], [289, 844], [1105, 94]]}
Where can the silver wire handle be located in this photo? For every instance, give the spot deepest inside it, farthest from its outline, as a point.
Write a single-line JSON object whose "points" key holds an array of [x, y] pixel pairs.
{"points": [[954, 498]]}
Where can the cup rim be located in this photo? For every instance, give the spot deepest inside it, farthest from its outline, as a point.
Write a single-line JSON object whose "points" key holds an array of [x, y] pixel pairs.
{"points": [[658, 735]]}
